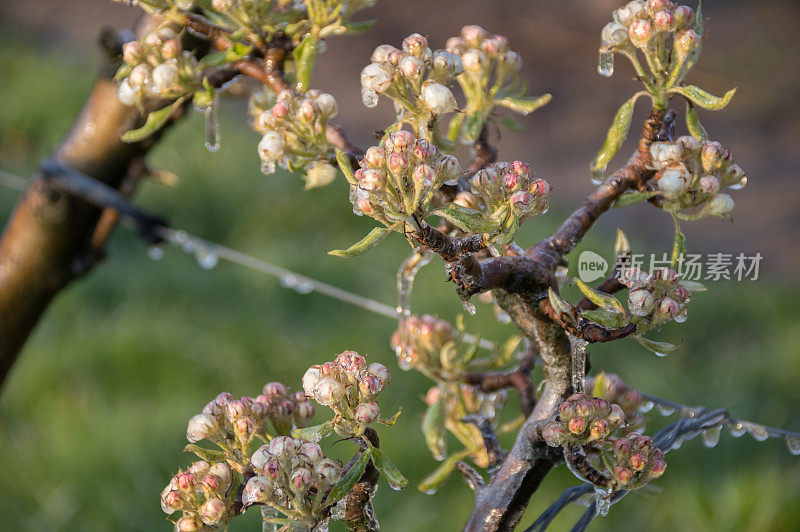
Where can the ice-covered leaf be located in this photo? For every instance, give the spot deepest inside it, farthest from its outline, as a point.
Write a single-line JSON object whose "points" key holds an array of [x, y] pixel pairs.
{"points": [[524, 104], [632, 198], [372, 239], [702, 98], [466, 219], [155, 121], [433, 429], [388, 469], [693, 124], [350, 478], [314, 433], [604, 301]]}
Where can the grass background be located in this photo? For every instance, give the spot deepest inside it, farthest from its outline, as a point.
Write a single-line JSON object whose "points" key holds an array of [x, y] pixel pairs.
{"points": [[92, 418]]}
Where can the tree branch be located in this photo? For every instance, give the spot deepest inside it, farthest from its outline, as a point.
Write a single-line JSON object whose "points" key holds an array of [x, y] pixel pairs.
{"points": [[359, 515]]}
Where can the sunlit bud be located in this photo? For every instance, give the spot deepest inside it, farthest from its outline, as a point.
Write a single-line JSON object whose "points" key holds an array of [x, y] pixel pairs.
{"points": [[401, 140], [638, 8], [271, 145], [244, 427], [415, 44], [223, 472], [236, 409], [566, 411], [371, 179], [127, 94], [541, 188], [438, 98], [411, 67], [327, 105], [395, 57], [674, 180], [351, 361], [188, 523], [280, 110], [307, 110], [380, 371], [708, 184], [640, 302], [139, 76], [654, 6], [200, 427], [657, 468], [365, 206], [376, 77], [554, 434], [720, 205], [186, 481], [663, 21], [312, 450], [668, 308], [614, 34], [171, 500], [381, 53], [640, 32], [521, 201], [473, 60], [397, 163], [132, 52], [623, 474], [617, 416], [638, 461], [684, 16], [584, 407], [310, 380], [328, 391], [370, 385], [328, 368], [473, 35], [577, 425], [466, 199], [171, 49], [375, 156], [455, 45], [153, 40], [711, 156], [686, 42], [301, 479], [624, 16], [327, 469], [165, 76], [258, 489], [600, 429], [366, 413], [212, 511], [510, 181], [448, 63]]}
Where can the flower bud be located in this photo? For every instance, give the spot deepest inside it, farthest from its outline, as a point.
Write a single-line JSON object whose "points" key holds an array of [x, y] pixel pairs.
{"points": [[640, 32], [624, 16], [312, 450], [415, 44], [366, 413], [380, 371], [640, 302], [132, 52], [375, 156], [223, 472], [411, 67], [258, 489], [686, 42], [674, 180], [684, 17], [327, 105], [438, 98], [447, 63], [188, 523], [310, 380], [127, 94], [521, 202], [328, 470], [473, 35], [668, 308], [577, 425], [200, 427], [300, 480], [614, 35], [328, 391], [376, 77], [449, 165], [554, 434], [212, 511], [617, 416], [381, 53], [186, 481], [319, 174], [139, 76], [711, 156], [734, 174], [466, 199], [709, 184], [455, 45], [171, 49], [663, 21], [666, 153], [397, 164], [165, 76], [637, 462], [566, 411], [171, 500], [657, 468], [510, 182], [623, 474], [473, 60], [720, 205], [305, 411], [282, 446], [600, 429], [371, 179], [270, 147], [638, 8]]}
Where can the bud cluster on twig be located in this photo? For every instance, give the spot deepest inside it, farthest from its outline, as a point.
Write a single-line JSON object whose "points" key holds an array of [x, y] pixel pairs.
{"points": [[203, 494], [633, 460], [613, 389], [654, 298], [583, 420]]}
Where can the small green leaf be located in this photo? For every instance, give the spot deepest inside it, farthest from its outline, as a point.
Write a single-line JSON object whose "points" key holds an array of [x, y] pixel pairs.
{"points": [[511, 124], [467, 219], [350, 478], [705, 100], [632, 198], [693, 286], [304, 56], [604, 301], [621, 245], [433, 429], [433, 481], [659, 348], [208, 455], [316, 432], [472, 126], [374, 238], [693, 123], [560, 306], [524, 104], [359, 27], [454, 129], [610, 320], [388, 469], [679, 246], [155, 121], [616, 135], [344, 165], [392, 420], [234, 53]]}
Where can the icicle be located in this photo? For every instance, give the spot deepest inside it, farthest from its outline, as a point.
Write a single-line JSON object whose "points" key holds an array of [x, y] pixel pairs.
{"points": [[206, 257], [212, 126], [578, 357], [793, 444], [665, 410], [405, 279], [711, 437], [758, 432], [469, 307], [645, 407], [370, 98], [602, 501], [605, 64], [268, 512], [737, 429]]}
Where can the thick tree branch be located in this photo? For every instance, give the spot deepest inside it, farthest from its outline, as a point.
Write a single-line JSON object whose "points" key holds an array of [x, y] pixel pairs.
{"points": [[359, 516], [519, 378]]}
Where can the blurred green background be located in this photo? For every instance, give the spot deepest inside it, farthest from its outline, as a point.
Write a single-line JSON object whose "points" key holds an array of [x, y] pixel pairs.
{"points": [[92, 418]]}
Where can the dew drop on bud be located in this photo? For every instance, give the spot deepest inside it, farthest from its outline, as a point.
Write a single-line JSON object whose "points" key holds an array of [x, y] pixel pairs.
{"points": [[597, 178], [155, 252], [711, 437], [605, 64], [212, 127], [793, 444], [369, 98], [736, 429], [740, 185], [267, 167]]}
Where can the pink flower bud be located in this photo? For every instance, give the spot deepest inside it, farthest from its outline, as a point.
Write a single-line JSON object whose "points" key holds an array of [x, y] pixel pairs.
{"points": [[375, 156], [328, 391], [132, 52], [380, 371], [307, 110], [274, 389], [689, 143], [282, 446], [623, 474], [199, 468], [567, 410], [684, 17], [432, 395], [600, 429], [366, 413], [244, 428], [584, 407], [211, 482], [212, 511], [397, 163], [521, 201], [720, 205], [258, 489], [657, 468], [423, 175], [711, 156], [473, 35], [188, 523], [172, 501], [637, 462], [139, 76], [171, 49], [541, 188], [328, 470], [305, 411], [415, 44], [674, 180], [668, 308], [708, 184], [686, 42], [351, 361], [554, 434], [327, 105], [640, 302], [372, 179], [236, 410], [411, 67], [301, 479], [312, 450], [654, 6], [402, 140], [223, 471], [200, 427], [270, 147], [617, 416], [365, 206], [381, 53], [680, 293], [449, 165], [511, 182], [663, 21], [577, 425], [640, 32], [474, 60], [280, 110], [438, 98], [310, 380], [455, 45], [186, 481]]}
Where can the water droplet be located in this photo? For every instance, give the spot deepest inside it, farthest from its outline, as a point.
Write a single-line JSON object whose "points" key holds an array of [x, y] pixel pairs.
{"points": [[598, 178], [370, 98], [736, 429], [645, 407], [206, 258], [394, 485], [793, 444], [155, 252], [212, 127], [430, 491], [740, 185], [711, 437], [660, 354], [469, 307], [267, 167], [682, 315], [605, 64], [678, 443], [289, 281], [602, 502], [665, 410], [758, 432]]}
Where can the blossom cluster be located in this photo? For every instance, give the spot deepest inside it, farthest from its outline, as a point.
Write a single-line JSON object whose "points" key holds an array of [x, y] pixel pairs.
{"points": [[582, 420], [691, 173], [399, 177], [633, 460], [508, 191], [293, 134], [655, 298], [419, 342], [294, 477], [613, 389], [202, 493]]}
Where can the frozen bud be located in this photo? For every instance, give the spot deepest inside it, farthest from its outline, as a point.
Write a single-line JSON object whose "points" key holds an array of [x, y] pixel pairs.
{"points": [[312, 450], [370, 385], [171, 49], [640, 32], [282, 446], [473, 60], [381, 53], [307, 110], [328, 368], [270, 147], [447, 63], [554, 434], [663, 21], [223, 472], [171, 501], [380, 371], [132, 52], [653, 6], [541, 188], [438, 98], [657, 467], [449, 165], [689, 143], [366, 413], [734, 174], [415, 44], [310, 380], [638, 8], [397, 163], [680, 293], [211, 482], [522, 201], [258, 489], [577, 425], [466, 199], [244, 427], [327, 105], [401, 140], [376, 77], [200, 427], [139, 76], [165, 76], [711, 156], [623, 474], [411, 67], [666, 153], [328, 391], [280, 110], [708, 184], [185, 481], [510, 181], [640, 302], [617, 416], [305, 411], [473, 35], [720, 205], [127, 94], [328, 470], [222, 5], [188, 523], [614, 34], [285, 95], [674, 180], [455, 45], [301, 479], [684, 16], [352, 362], [686, 42], [199, 468], [584, 407], [667, 274], [566, 411], [493, 45], [375, 156], [600, 429], [212, 511], [260, 457], [624, 16], [319, 174], [637, 462], [371, 179], [668, 308], [237, 409]]}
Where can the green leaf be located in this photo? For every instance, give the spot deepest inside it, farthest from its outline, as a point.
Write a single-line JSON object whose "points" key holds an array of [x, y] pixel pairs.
{"points": [[610, 320], [511, 124], [344, 165], [392, 420], [360, 26], [433, 429], [467, 219], [616, 135], [374, 238], [316, 432], [705, 100], [388, 469], [693, 286], [524, 104], [208, 455], [433, 481], [155, 121], [304, 56], [454, 129], [679, 246], [350, 478], [632, 198], [473, 126], [604, 301], [659, 348], [693, 123], [560, 306], [234, 53]]}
